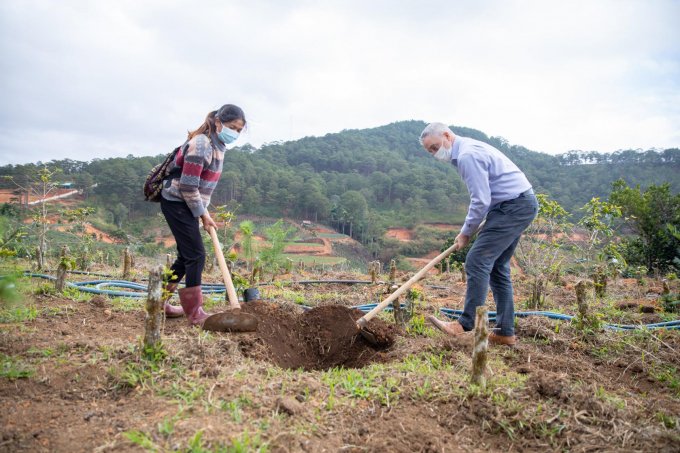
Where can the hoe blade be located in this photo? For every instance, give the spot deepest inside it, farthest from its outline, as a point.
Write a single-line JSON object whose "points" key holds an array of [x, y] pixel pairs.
{"points": [[229, 321], [368, 335]]}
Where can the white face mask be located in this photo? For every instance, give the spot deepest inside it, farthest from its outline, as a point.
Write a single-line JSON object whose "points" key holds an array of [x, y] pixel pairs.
{"points": [[444, 154]]}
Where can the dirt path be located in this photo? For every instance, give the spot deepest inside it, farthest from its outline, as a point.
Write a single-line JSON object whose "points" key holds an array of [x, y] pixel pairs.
{"points": [[400, 234]]}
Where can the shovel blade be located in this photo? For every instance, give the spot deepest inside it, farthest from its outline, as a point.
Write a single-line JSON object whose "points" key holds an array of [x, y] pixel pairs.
{"points": [[229, 321]]}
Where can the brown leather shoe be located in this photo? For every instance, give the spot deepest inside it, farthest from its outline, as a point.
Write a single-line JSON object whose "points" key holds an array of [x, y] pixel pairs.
{"points": [[507, 340], [451, 328]]}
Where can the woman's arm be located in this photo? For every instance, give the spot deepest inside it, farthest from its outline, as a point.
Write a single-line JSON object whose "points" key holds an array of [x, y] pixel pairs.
{"points": [[197, 157]]}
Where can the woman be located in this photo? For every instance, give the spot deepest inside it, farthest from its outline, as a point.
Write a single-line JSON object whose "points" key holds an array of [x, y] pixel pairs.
{"points": [[186, 196]]}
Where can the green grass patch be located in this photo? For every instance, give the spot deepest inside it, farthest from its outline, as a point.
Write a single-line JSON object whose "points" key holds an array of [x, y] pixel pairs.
{"points": [[12, 368], [332, 235], [309, 259]]}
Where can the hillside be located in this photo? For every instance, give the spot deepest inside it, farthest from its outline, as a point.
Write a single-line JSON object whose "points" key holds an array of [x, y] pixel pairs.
{"points": [[360, 182]]}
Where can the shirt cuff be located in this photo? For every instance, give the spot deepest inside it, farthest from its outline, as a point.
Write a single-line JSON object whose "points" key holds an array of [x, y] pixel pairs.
{"points": [[468, 230]]}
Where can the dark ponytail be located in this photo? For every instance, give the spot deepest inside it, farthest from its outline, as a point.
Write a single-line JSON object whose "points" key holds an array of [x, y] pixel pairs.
{"points": [[226, 113]]}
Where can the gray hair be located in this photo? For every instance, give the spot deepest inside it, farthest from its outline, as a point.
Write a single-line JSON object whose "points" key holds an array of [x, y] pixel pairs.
{"points": [[435, 129]]}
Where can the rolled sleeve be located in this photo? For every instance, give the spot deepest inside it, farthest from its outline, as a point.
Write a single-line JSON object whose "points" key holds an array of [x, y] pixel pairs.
{"points": [[474, 170]]}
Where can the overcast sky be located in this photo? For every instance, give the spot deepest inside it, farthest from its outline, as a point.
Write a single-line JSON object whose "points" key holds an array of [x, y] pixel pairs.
{"points": [[86, 79]]}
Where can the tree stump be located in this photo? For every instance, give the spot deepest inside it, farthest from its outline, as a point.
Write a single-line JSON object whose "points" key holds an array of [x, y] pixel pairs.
{"points": [[396, 306], [40, 258], [581, 299], [666, 288], [168, 261], [463, 275], [84, 259], [60, 283], [600, 282], [373, 270], [393, 272], [537, 292], [154, 313], [127, 263], [481, 348]]}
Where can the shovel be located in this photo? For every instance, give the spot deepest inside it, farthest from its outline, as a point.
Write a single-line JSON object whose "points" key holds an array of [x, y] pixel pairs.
{"points": [[363, 321], [232, 320]]}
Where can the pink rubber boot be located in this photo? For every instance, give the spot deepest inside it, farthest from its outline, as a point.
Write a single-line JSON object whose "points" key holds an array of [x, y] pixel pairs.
{"points": [[171, 311], [192, 301]]}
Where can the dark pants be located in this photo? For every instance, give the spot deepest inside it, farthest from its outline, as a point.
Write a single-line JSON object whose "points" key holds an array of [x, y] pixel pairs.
{"points": [[187, 233], [488, 261]]}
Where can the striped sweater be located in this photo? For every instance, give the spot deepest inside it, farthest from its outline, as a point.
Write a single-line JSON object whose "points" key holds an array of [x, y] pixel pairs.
{"points": [[200, 162]]}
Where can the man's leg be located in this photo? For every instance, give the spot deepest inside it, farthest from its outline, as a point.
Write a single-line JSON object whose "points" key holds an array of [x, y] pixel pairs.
{"points": [[492, 241], [501, 286]]}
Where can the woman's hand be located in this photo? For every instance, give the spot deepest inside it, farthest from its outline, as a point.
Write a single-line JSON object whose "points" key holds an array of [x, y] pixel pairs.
{"points": [[208, 222]]}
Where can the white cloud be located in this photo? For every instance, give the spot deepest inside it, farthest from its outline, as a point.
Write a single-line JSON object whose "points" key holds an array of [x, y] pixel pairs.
{"points": [[92, 79]]}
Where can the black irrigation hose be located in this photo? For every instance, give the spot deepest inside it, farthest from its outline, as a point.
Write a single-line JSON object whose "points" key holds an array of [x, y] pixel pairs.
{"points": [[349, 282], [309, 282], [94, 274]]}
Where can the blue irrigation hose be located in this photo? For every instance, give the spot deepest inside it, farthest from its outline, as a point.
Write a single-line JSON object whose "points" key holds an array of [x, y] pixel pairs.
{"points": [[455, 314], [96, 287], [216, 288]]}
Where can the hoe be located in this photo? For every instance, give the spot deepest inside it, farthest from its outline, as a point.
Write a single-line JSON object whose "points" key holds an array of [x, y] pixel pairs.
{"points": [[232, 320], [362, 323]]}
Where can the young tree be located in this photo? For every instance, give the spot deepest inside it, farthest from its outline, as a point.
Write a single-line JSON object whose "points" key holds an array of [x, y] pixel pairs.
{"points": [[40, 186], [648, 214], [79, 216], [278, 239], [248, 241], [539, 251]]}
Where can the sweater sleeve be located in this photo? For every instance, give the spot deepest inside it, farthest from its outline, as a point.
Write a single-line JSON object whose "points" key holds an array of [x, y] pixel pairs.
{"points": [[197, 157]]}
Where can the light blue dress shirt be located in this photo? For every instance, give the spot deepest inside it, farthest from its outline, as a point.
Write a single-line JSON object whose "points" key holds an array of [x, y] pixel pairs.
{"points": [[491, 178]]}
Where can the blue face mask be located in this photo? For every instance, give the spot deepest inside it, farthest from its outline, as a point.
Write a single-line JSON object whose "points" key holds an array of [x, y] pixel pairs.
{"points": [[227, 135]]}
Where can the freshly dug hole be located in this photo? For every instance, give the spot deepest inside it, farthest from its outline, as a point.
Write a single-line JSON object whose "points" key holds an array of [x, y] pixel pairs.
{"points": [[321, 338]]}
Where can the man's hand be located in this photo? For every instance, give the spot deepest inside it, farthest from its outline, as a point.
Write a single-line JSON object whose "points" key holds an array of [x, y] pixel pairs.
{"points": [[208, 222], [462, 240]]}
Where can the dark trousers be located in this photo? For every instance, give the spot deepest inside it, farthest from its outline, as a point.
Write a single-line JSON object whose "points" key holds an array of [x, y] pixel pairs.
{"points": [[190, 250], [488, 261]]}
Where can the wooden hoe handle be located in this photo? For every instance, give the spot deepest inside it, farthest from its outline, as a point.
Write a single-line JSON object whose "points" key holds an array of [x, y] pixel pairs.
{"points": [[368, 316], [228, 284]]}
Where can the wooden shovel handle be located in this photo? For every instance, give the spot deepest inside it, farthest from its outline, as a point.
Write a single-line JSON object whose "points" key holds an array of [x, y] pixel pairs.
{"points": [[368, 316], [226, 275]]}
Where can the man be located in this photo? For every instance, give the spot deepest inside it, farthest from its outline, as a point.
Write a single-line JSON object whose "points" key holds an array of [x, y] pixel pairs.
{"points": [[499, 190]]}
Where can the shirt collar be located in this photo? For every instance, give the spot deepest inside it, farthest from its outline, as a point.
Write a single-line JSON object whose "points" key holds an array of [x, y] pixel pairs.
{"points": [[456, 147]]}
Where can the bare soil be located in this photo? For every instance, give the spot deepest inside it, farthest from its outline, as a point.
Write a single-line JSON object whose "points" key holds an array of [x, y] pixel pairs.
{"points": [[401, 234], [318, 339], [559, 390]]}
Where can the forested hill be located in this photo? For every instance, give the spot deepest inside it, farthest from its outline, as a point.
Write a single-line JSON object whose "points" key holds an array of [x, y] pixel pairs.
{"points": [[366, 180]]}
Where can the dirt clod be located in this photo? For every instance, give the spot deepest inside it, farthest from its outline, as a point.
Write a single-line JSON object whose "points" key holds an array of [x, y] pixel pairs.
{"points": [[99, 301], [548, 385], [288, 405]]}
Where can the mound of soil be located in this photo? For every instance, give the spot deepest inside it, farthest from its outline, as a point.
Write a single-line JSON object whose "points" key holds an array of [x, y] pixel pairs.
{"points": [[318, 339]]}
